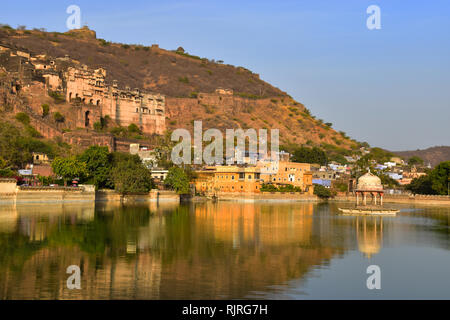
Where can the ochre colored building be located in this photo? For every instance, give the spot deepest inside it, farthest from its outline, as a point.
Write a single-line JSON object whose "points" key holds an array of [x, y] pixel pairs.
{"points": [[286, 172], [213, 180]]}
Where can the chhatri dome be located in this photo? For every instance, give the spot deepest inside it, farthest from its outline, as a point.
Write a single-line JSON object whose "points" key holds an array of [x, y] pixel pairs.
{"points": [[369, 182]]}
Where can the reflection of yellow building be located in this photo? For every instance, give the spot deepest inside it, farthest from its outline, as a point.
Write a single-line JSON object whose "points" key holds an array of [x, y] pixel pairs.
{"points": [[244, 223], [369, 234], [228, 179]]}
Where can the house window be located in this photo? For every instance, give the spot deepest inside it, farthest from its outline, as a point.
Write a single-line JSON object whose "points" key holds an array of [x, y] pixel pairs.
{"points": [[241, 175], [249, 177]]}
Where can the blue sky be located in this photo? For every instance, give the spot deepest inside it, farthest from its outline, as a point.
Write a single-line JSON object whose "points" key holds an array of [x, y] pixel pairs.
{"points": [[389, 87]]}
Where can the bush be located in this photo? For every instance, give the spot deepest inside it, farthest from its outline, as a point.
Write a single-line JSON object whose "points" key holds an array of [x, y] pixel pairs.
{"points": [[58, 117], [132, 128], [32, 132], [45, 110], [23, 118], [183, 79], [59, 98]]}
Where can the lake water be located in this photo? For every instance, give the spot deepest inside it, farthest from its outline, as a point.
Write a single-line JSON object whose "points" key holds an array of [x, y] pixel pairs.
{"points": [[224, 250]]}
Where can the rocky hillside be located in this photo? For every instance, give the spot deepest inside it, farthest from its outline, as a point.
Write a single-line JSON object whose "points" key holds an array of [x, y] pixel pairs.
{"points": [[433, 155], [189, 82]]}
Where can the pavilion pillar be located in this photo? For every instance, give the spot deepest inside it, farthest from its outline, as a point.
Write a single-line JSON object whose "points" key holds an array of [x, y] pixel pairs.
{"points": [[365, 198], [357, 198], [375, 198], [381, 199]]}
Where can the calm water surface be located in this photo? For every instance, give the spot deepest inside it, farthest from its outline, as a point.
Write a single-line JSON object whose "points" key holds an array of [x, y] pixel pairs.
{"points": [[225, 250]]}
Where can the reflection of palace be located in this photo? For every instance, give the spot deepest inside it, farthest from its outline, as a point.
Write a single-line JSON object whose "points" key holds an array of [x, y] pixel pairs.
{"points": [[369, 234]]}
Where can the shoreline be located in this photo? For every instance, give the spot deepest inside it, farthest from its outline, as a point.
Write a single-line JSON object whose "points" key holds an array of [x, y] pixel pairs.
{"points": [[78, 196]]}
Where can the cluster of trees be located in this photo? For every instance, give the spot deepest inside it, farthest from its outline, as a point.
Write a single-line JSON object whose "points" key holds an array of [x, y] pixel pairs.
{"points": [[435, 182], [120, 171], [310, 155], [16, 146], [284, 188]]}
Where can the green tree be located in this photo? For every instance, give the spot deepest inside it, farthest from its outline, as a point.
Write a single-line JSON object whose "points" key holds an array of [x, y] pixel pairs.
{"points": [[5, 171], [440, 177], [310, 155], [321, 191], [421, 185], [133, 128], [415, 160], [178, 180], [130, 176], [14, 147], [69, 168], [98, 166]]}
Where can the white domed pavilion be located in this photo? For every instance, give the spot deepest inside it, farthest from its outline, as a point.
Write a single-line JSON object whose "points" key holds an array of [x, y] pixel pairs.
{"points": [[369, 184]]}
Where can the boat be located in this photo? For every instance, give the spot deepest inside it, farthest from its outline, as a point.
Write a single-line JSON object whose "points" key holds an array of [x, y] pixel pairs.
{"points": [[369, 211]]}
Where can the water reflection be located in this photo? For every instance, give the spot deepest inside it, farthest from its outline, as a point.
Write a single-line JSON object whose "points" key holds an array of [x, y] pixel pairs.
{"points": [[201, 250]]}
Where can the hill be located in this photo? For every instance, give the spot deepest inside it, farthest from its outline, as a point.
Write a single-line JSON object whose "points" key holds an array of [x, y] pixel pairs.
{"points": [[191, 84], [433, 155]]}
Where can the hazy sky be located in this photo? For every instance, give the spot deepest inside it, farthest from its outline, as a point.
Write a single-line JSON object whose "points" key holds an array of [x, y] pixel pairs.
{"points": [[389, 87]]}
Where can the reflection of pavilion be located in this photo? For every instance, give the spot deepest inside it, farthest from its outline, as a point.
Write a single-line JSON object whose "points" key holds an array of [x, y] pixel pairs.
{"points": [[369, 234]]}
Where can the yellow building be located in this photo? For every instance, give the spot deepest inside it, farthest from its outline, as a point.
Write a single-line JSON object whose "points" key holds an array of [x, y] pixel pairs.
{"points": [[286, 172], [40, 158], [212, 180]]}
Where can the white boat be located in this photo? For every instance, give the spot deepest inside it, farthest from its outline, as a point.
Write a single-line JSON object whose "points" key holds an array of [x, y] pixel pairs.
{"points": [[369, 211]]}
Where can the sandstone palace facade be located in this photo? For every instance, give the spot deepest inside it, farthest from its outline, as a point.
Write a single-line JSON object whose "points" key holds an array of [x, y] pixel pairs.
{"points": [[124, 106], [88, 96]]}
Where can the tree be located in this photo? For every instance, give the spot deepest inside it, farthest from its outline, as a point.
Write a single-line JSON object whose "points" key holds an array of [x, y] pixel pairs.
{"points": [[440, 177], [58, 117], [310, 155], [5, 171], [421, 185], [178, 180], [14, 147], [321, 191], [130, 176], [69, 168], [415, 160], [133, 128], [98, 166]]}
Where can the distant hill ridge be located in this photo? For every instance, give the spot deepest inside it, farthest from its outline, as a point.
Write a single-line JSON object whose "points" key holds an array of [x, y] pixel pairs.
{"points": [[433, 155]]}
